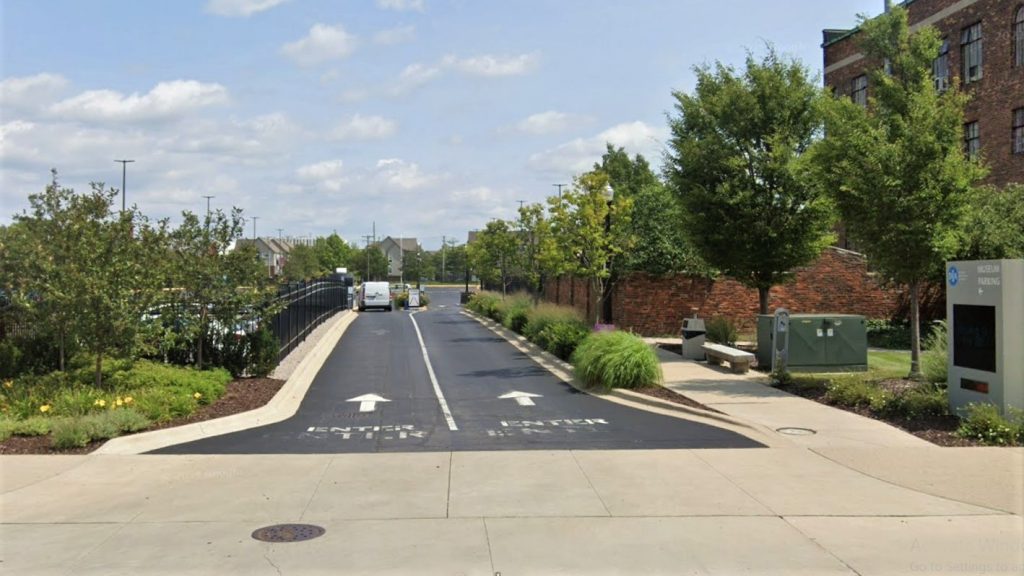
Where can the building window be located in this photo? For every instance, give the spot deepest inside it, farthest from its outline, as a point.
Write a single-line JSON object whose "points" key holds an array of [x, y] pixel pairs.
{"points": [[1018, 131], [972, 139], [970, 53], [859, 90], [1018, 37], [940, 67]]}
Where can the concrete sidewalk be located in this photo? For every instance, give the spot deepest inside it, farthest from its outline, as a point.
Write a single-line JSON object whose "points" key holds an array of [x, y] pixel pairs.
{"points": [[769, 511], [749, 398]]}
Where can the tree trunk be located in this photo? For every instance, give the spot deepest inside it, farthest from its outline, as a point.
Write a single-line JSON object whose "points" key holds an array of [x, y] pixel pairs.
{"points": [[202, 336], [915, 331], [60, 337], [99, 368], [762, 297]]}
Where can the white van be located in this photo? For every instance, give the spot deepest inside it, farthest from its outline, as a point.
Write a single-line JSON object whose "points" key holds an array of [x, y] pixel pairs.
{"points": [[374, 295]]}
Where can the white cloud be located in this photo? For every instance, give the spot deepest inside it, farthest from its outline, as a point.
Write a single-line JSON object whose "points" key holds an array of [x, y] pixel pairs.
{"points": [[398, 174], [398, 35], [323, 43], [579, 155], [493, 66], [240, 8], [360, 127], [550, 122], [166, 100], [31, 91], [412, 77], [401, 5], [328, 175]]}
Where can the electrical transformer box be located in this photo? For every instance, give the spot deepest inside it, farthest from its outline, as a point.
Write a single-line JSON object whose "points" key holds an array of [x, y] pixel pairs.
{"points": [[818, 342]]}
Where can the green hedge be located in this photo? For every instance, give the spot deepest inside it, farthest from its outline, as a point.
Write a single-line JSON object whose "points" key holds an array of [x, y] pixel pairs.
{"points": [[556, 329]]}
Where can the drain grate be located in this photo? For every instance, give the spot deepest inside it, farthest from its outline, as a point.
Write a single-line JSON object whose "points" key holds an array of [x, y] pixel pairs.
{"points": [[796, 431], [288, 533]]}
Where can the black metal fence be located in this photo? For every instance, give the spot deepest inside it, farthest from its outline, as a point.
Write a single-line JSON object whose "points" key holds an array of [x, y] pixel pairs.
{"points": [[306, 306]]}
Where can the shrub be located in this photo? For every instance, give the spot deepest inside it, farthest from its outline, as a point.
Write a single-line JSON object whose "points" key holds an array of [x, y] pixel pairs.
{"points": [[854, 392], [264, 352], [10, 359], [161, 405], [721, 330], [562, 338], [616, 360], [34, 426], [546, 314], [100, 426], [935, 357], [517, 312], [7, 427], [128, 420], [69, 433], [484, 303], [75, 401], [924, 401], [985, 424]]}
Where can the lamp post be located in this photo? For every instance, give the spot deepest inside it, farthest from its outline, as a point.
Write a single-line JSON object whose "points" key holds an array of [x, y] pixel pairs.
{"points": [[124, 172], [254, 219]]}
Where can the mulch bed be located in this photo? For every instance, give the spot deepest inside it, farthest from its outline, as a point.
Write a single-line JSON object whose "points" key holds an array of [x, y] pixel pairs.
{"points": [[240, 396], [662, 393], [939, 430]]}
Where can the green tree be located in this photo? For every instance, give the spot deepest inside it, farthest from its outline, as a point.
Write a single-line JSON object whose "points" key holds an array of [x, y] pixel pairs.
{"points": [[302, 264], [415, 266], [332, 253], [735, 162], [661, 246], [994, 227], [591, 227], [493, 254], [87, 271], [897, 169], [213, 286], [370, 263], [539, 255]]}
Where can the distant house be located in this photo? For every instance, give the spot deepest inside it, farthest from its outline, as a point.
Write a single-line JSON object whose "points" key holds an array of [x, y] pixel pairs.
{"points": [[393, 249], [273, 252]]}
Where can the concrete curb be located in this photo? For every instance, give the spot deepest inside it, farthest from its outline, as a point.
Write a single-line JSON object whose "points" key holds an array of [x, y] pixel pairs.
{"points": [[564, 371], [282, 406]]}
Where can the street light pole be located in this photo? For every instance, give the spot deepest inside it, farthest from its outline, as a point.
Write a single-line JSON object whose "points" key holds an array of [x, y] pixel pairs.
{"points": [[208, 205], [254, 219], [124, 172], [559, 186]]}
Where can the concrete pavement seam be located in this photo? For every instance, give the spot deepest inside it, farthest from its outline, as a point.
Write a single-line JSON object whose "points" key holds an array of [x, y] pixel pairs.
{"points": [[912, 489], [316, 489], [819, 545], [282, 406], [590, 482], [490, 552]]}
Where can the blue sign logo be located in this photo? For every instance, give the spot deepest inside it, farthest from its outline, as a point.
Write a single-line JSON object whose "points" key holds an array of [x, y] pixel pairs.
{"points": [[953, 275]]}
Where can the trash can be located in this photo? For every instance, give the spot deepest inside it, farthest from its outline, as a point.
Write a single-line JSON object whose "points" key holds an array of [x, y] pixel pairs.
{"points": [[693, 338]]}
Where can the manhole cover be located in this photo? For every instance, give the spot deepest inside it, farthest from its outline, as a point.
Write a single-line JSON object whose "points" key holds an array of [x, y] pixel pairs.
{"points": [[796, 431], [288, 533]]}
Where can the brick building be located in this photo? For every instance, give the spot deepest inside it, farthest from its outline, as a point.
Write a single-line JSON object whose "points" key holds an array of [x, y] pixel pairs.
{"points": [[983, 46]]}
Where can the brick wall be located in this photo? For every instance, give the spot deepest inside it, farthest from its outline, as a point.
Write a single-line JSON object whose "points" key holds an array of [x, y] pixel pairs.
{"points": [[837, 282]]}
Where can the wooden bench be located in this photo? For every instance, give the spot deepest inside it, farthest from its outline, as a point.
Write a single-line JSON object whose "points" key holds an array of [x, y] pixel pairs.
{"points": [[738, 360]]}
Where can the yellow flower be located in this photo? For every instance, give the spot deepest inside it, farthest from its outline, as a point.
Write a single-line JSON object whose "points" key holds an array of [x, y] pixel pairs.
{"points": [[119, 402], [197, 395], [128, 399], [44, 408], [8, 384], [101, 403]]}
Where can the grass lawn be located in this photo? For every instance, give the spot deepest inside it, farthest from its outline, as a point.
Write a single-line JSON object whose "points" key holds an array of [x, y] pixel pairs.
{"points": [[888, 363]]}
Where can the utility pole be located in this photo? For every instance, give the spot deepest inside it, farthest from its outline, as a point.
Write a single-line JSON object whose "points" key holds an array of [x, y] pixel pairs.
{"points": [[254, 219], [521, 202], [124, 172], [368, 238], [208, 205], [279, 230], [559, 188], [444, 244]]}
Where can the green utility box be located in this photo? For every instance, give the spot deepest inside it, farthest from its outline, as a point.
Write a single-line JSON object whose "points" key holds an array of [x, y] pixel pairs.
{"points": [[818, 342]]}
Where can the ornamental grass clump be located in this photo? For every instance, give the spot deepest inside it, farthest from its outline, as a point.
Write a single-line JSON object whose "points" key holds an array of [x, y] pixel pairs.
{"points": [[616, 360]]}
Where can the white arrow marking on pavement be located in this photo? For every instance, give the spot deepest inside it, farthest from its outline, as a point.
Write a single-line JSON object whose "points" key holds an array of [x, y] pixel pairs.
{"points": [[523, 398], [368, 402]]}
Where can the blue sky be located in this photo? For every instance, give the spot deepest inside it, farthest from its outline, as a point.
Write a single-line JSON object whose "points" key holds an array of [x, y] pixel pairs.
{"points": [[428, 117]]}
